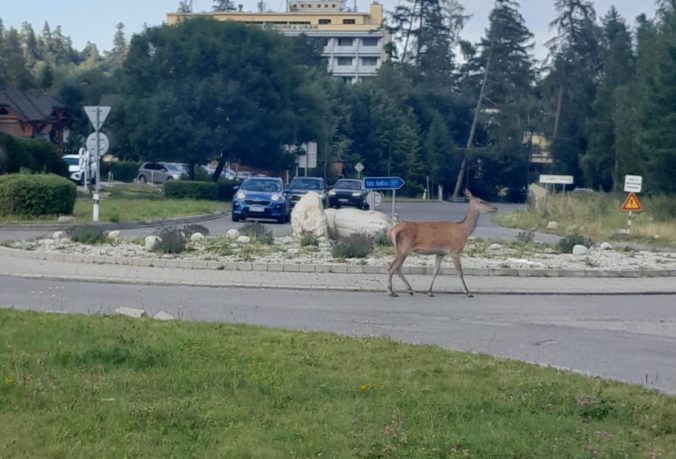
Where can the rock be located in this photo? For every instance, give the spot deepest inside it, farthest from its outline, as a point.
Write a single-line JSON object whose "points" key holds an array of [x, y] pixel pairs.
{"points": [[163, 316], [243, 239], [579, 249], [194, 237], [550, 251], [59, 235], [606, 246], [308, 216], [113, 235], [552, 225], [66, 219], [232, 233], [343, 222], [495, 247], [151, 243], [131, 312]]}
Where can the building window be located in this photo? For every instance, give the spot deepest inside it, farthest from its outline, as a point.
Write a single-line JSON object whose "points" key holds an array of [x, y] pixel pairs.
{"points": [[325, 21], [369, 61], [344, 61], [348, 21], [345, 42], [369, 41], [347, 80]]}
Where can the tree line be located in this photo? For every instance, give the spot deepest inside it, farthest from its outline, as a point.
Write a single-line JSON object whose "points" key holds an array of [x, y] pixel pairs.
{"points": [[441, 111]]}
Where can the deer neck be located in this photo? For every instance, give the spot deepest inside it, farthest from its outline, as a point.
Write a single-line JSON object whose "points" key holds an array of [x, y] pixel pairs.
{"points": [[470, 221]]}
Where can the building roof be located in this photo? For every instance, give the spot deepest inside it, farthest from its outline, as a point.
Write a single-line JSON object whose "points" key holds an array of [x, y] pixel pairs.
{"points": [[31, 105]]}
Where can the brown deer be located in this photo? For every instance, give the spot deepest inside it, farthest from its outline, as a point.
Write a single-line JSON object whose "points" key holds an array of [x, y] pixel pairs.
{"points": [[435, 238]]}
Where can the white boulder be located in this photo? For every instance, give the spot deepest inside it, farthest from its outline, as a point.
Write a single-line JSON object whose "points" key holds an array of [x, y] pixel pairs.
{"points": [[243, 239], [552, 225], [495, 247], [579, 249], [194, 237], [346, 221], [151, 242], [113, 235], [232, 233], [606, 246], [59, 235], [308, 216], [131, 312]]}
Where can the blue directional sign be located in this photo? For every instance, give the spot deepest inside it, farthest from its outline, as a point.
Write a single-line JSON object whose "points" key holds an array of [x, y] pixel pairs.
{"points": [[383, 183]]}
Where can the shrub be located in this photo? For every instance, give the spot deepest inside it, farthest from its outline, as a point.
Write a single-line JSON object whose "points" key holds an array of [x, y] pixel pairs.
{"points": [[309, 239], [257, 231], [357, 245], [381, 239], [525, 236], [86, 234], [567, 243], [33, 154], [39, 194], [186, 189], [189, 230], [122, 171], [172, 240]]}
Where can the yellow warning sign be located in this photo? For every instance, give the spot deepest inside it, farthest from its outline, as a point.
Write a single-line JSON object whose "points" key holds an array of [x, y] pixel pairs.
{"points": [[631, 203]]}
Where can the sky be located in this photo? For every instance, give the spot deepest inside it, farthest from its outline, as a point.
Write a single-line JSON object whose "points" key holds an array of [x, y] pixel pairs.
{"points": [[95, 21]]}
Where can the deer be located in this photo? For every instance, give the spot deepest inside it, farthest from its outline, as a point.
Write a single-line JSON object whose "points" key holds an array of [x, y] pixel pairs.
{"points": [[435, 238]]}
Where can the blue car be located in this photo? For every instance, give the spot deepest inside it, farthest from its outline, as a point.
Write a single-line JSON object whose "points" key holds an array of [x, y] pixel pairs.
{"points": [[261, 197]]}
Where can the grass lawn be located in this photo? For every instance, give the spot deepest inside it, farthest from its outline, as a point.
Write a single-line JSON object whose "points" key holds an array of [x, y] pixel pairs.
{"points": [[131, 202], [79, 386]]}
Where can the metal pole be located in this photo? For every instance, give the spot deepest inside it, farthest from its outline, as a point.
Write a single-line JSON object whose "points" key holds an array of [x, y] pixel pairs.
{"points": [[98, 169], [394, 197]]}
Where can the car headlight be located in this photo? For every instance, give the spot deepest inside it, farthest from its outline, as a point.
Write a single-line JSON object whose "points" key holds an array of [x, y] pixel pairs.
{"points": [[356, 193], [240, 195], [332, 193], [322, 195], [276, 197]]}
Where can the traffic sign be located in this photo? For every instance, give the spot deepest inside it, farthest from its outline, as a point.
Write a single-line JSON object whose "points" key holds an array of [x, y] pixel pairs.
{"points": [[383, 183], [562, 179], [103, 143], [359, 167], [631, 203], [633, 183], [97, 115], [374, 199]]}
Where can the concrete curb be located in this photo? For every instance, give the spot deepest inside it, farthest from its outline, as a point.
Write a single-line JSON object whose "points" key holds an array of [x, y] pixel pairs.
{"points": [[159, 262]]}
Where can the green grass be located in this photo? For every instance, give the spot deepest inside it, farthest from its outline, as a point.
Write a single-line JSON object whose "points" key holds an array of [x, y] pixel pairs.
{"points": [[599, 217], [130, 203], [78, 386]]}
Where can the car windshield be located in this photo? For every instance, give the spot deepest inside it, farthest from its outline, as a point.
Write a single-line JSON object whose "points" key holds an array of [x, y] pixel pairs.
{"points": [[306, 184], [72, 161], [348, 184], [174, 167], [262, 185]]}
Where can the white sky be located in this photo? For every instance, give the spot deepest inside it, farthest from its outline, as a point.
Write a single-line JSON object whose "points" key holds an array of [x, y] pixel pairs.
{"points": [[85, 21]]}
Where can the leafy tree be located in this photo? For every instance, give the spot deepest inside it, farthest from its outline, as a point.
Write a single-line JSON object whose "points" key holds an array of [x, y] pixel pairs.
{"points": [[223, 5], [120, 49], [205, 89]]}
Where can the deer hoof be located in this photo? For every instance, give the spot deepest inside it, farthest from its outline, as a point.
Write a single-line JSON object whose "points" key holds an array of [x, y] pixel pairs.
{"points": [[430, 294], [470, 295], [410, 292], [394, 294]]}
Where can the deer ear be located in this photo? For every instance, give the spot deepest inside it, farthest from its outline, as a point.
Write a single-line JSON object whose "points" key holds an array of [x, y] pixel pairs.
{"points": [[467, 193]]}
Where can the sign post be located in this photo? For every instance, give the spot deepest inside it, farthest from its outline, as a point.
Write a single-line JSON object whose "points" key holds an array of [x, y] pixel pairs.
{"points": [[359, 167], [385, 183], [99, 143], [632, 184]]}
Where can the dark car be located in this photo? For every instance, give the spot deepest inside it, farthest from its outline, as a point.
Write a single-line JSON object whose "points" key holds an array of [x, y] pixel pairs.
{"points": [[299, 186], [348, 192], [261, 197]]}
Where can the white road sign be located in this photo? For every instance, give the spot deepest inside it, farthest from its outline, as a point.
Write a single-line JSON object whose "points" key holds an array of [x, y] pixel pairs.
{"points": [[633, 183], [562, 179], [104, 143], [97, 115], [359, 167]]}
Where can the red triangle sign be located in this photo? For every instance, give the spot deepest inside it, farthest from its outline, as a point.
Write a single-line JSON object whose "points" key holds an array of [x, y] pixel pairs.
{"points": [[631, 203]]}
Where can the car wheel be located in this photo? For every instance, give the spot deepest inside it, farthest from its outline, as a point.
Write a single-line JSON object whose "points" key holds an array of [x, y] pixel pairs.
{"points": [[142, 179], [235, 218]]}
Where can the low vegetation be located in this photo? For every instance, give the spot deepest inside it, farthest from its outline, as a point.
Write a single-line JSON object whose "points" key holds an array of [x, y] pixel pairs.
{"points": [[86, 234], [598, 216], [357, 245], [78, 386]]}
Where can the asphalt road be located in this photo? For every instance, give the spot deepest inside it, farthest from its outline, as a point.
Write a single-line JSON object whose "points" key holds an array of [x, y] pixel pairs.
{"points": [[630, 338]]}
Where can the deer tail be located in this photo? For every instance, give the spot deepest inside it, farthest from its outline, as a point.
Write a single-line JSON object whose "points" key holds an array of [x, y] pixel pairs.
{"points": [[392, 235]]}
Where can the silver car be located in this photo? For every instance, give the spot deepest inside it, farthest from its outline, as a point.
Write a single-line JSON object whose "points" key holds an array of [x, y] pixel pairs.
{"points": [[159, 172]]}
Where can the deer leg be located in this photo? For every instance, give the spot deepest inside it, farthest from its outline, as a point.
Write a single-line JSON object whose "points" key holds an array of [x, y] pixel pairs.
{"points": [[437, 267], [456, 262], [396, 267]]}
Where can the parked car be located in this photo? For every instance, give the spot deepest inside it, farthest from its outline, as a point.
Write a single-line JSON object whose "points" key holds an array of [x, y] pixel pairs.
{"points": [[299, 186], [76, 169], [159, 172], [348, 192], [261, 197]]}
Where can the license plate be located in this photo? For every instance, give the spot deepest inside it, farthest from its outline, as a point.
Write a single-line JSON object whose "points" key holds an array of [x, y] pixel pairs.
{"points": [[256, 209], [343, 200]]}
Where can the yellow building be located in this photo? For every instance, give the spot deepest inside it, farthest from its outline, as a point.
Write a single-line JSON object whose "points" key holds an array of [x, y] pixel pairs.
{"points": [[354, 42]]}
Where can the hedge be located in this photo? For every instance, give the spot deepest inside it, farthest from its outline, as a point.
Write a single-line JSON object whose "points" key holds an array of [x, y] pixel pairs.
{"points": [[39, 194], [123, 171], [33, 154], [186, 189]]}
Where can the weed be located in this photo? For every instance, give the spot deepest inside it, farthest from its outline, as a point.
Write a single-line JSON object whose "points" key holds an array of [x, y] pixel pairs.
{"points": [[172, 240], [193, 228], [525, 236], [309, 239], [258, 232], [86, 234], [357, 245], [381, 240]]}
